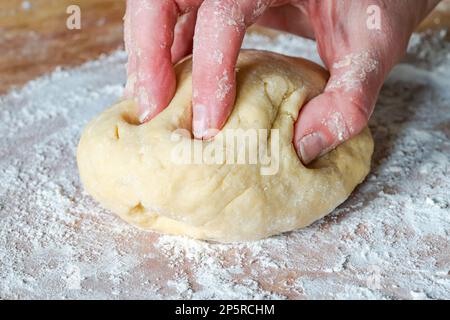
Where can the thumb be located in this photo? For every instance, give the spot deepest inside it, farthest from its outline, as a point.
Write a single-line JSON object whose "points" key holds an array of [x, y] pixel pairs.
{"points": [[337, 115]]}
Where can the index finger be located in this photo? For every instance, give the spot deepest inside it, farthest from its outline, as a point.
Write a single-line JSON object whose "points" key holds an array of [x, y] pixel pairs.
{"points": [[218, 38]]}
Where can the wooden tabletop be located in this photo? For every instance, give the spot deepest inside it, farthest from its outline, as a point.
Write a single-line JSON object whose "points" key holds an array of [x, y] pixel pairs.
{"points": [[34, 38], [55, 235]]}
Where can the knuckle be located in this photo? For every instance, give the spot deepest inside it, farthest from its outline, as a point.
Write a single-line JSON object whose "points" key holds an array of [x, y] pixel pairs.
{"points": [[348, 118], [186, 6], [358, 116]]}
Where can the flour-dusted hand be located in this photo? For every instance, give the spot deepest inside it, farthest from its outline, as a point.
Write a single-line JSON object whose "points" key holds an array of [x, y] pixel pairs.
{"points": [[359, 59], [161, 32]]}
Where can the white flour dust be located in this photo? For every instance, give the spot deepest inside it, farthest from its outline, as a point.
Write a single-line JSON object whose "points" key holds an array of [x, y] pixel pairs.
{"points": [[389, 240], [355, 69]]}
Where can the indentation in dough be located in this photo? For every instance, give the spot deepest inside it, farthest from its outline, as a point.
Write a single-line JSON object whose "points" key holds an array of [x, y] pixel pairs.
{"points": [[130, 118], [116, 133], [276, 107], [137, 209], [266, 93]]}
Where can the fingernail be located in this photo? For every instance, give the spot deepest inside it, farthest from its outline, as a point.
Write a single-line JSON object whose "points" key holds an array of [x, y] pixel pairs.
{"points": [[200, 125], [144, 105], [311, 146], [144, 116]]}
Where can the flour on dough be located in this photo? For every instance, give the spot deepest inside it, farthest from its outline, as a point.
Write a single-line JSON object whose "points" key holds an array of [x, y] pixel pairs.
{"points": [[127, 167]]}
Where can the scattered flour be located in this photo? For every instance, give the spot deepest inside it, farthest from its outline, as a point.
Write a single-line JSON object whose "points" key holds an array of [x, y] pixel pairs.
{"points": [[224, 86], [354, 69], [389, 240], [218, 56]]}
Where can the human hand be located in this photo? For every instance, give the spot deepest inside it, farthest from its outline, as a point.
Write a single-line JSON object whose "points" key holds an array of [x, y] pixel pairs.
{"points": [[158, 33]]}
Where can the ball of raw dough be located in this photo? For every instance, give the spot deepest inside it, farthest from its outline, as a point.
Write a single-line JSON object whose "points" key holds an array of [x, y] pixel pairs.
{"points": [[130, 168]]}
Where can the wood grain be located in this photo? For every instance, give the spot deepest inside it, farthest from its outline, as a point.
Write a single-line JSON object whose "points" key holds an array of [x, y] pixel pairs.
{"points": [[36, 41]]}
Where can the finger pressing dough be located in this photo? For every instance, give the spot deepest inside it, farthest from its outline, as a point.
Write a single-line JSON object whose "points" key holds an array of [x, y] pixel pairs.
{"points": [[128, 167]]}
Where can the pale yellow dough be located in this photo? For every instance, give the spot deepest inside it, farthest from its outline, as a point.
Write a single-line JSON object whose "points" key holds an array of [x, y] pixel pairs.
{"points": [[127, 167]]}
